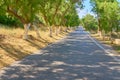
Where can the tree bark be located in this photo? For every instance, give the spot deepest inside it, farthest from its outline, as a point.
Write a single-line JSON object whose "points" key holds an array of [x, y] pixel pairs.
{"points": [[36, 30], [11, 11], [66, 29], [111, 39], [26, 28], [99, 29], [100, 34], [22, 19], [56, 31], [50, 29], [60, 29]]}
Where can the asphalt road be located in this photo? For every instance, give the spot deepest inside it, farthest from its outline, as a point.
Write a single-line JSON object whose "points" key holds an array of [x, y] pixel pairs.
{"points": [[76, 57]]}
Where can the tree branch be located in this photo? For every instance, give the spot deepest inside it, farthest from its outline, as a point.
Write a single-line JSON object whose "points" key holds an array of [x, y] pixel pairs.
{"points": [[9, 10]]}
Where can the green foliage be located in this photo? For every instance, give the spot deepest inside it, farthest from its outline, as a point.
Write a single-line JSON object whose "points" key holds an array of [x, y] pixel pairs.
{"points": [[72, 19], [24, 10], [8, 20], [55, 12], [108, 14], [89, 22], [50, 12]]}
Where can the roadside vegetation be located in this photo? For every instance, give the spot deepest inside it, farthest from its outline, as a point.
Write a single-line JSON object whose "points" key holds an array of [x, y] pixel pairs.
{"points": [[106, 24], [29, 25], [13, 47]]}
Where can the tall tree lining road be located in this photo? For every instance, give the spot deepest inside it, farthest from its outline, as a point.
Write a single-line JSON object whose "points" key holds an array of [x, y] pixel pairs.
{"points": [[31, 13], [75, 58]]}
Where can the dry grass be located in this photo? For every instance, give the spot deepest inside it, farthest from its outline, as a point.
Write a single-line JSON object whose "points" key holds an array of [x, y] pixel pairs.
{"points": [[13, 47], [106, 41], [114, 46]]}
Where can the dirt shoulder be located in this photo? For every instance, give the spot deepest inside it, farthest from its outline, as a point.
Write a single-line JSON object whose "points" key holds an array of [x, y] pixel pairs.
{"points": [[14, 48], [108, 42]]}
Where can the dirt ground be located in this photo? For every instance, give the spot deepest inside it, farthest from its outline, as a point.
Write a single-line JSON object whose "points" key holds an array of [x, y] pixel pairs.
{"points": [[13, 47]]}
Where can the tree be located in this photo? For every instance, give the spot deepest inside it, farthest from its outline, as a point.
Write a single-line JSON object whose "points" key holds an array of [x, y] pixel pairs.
{"points": [[108, 15], [50, 12], [53, 12], [89, 22], [24, 10], [72, 19]]}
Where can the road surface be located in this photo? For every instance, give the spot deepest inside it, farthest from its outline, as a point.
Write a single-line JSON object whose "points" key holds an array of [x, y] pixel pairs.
{"points": [[77, 57]]}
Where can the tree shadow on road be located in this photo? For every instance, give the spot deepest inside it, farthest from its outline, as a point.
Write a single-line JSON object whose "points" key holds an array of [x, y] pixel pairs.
{"points": [[65, 60]]}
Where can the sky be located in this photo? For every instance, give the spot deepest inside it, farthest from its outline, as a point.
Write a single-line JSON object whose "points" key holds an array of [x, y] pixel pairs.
{"points": [[87, 9]]}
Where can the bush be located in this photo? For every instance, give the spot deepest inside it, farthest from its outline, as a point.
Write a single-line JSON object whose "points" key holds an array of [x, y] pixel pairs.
{"points": [[8, 20]]}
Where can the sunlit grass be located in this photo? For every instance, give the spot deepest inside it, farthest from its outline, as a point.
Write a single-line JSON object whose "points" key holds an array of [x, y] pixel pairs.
{"points": [[13, 47]]}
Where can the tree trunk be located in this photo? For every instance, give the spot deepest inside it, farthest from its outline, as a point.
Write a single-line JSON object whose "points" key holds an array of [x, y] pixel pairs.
{"points": [[56, 31], [103, 35], [61, 29], [111, 39], [66, 29], [50, 29], [36, 30], [99, 30], [100, 34], [26, 28]]}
